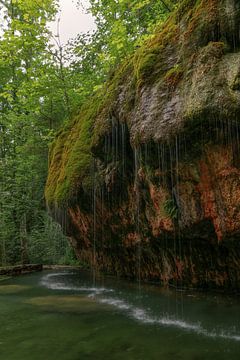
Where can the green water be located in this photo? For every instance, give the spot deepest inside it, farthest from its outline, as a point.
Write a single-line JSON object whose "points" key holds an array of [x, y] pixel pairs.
{"points": [[65, 315]]}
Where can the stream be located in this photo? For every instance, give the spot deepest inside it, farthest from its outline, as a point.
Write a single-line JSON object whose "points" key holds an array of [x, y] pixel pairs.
{"points": [[69, 315]]}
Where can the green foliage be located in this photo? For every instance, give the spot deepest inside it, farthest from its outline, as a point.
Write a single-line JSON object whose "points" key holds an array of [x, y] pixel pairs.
{"points": [[39, 93], [171, 209], [122, 27], [48, 245], [144, 63], [69, 258], [27, 115], [71, 156]]}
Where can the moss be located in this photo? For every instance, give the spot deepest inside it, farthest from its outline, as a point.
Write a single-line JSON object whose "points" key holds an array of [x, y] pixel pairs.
{"points": [[148, 60], [203, 23], [171, 209], [184, 7], [145, 64], [236, 83], [71, 156], [72, 152], [55, 163], [173, 76], [214, 50], [108, 95]]}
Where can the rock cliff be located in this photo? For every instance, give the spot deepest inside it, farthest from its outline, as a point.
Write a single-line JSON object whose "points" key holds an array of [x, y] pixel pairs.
{"points": [[146, 178]]}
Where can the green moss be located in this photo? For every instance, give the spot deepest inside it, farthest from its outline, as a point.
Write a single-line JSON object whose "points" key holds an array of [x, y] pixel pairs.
{"points": [[71, 156], [214, 50], [173, 76], [184, 7], [145, 65], [102, 123], [236, 83], [148, 59], [73, 151], [56, 155], [202, 22], [171, 209]]}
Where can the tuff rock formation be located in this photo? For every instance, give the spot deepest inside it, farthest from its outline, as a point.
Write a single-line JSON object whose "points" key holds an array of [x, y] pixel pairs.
{"points": [[146, 178]]}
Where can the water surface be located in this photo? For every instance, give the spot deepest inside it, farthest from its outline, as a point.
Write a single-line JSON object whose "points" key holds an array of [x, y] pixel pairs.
{"points": [[68, 315]]}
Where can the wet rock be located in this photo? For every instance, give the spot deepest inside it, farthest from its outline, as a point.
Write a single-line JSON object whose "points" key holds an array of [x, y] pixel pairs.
{"points": [[147, 176]]}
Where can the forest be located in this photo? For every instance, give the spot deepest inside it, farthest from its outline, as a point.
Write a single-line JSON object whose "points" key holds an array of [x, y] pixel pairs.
{"points": [[42, 85], [120, 180]]}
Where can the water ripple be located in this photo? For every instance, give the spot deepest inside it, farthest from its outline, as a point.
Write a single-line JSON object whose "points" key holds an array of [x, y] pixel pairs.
{"points": [[136, 313], [58, 285], [142, 316]]}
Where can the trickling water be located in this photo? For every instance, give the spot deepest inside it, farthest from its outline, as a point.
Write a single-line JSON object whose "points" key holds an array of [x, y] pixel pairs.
{"points": [[137, 212], [94, 214], [123, 135]]}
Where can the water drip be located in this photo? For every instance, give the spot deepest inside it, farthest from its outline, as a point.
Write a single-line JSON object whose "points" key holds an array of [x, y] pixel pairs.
{"points": [[137, 213], [123, 135], [94, 212]]}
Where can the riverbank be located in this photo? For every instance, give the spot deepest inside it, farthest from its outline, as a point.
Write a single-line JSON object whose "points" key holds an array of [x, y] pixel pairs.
{"points": [[20, 269]]}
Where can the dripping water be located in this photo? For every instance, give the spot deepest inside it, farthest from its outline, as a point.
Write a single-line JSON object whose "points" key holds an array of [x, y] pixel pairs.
{"points": [[137, 213], [94, 195], [123, 135]]}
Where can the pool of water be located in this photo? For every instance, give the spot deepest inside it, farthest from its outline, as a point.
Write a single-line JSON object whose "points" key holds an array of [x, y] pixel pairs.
{"points": [[69, 315]]}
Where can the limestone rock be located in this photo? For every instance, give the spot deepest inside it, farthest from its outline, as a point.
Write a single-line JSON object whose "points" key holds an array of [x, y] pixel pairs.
{"points": [[146, 179]]}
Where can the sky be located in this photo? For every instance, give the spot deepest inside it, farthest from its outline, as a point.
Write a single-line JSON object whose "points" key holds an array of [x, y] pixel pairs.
{"points": [[72, 20]]}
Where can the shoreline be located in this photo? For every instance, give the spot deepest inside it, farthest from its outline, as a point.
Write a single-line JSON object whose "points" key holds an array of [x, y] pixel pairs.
{"points": [[20, 269]]}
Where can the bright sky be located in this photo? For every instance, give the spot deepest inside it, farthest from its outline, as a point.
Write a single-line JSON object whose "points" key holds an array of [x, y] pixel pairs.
{"points": [[73, 20]]}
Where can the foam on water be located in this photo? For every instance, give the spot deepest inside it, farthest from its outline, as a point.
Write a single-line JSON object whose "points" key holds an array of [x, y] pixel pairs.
{"points": [[120, 304], [139, 314], [57, 285]]}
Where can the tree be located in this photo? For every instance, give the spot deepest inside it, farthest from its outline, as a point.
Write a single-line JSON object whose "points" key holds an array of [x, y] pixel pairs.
{"points": [[122, 25], [24, 131], [41, 86]]}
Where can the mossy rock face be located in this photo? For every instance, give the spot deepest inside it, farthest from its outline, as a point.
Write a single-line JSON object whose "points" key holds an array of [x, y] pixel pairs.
{"points": [[155, 155], [190, 66]]}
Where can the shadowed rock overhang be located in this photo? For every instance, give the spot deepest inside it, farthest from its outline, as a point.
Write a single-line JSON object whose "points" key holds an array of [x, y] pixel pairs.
{"points": [[149, 170]]}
